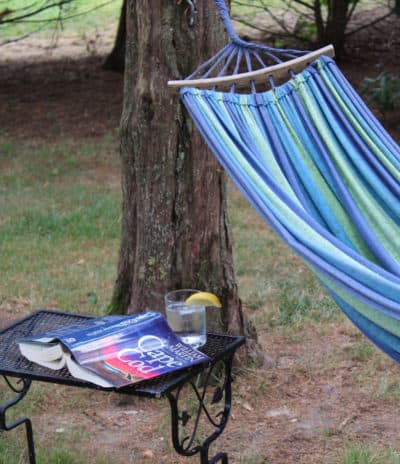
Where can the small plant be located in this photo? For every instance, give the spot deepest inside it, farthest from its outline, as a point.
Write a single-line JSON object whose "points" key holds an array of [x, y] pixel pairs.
{"points": [[388, 389], [383, 91], [7, 149], [306, 29], [10, 452], [361, 351], [360, 454]]}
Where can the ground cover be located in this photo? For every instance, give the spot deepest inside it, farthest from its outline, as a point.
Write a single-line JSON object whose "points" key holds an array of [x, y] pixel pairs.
{"points": [[325, 396], [82, 18]]}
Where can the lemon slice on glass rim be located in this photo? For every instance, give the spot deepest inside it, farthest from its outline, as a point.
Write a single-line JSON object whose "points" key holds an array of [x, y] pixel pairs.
{"points": [[203, 299]]}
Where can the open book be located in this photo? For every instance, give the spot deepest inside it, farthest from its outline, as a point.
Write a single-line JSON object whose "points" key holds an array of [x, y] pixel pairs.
{"points": [[113, 351]]}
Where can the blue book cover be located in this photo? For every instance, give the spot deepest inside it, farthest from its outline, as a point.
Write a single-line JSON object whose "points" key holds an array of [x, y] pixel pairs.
{"points": [[122, 350]]}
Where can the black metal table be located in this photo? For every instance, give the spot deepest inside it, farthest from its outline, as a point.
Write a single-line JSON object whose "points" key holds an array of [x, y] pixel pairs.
{"points": [[214, 389]]}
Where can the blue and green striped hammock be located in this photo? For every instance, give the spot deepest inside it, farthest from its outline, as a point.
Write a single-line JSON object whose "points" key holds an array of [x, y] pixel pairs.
{"points": [[319, 168]]}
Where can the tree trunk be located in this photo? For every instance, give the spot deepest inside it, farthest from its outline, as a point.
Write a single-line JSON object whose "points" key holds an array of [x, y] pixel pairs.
{"points": [[175, 231], [115, 61], [319, 22], [336, 24]]}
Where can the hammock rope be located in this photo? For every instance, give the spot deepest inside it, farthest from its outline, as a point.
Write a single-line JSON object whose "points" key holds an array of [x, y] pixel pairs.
{"points": [[243, 54], [319, 168]]}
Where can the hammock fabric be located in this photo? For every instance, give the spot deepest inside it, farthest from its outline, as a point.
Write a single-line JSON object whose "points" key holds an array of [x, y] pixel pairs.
{"points": [[323, 173]]}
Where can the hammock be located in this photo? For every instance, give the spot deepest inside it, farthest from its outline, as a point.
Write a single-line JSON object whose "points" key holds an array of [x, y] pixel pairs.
{"points": [[317, 166]]}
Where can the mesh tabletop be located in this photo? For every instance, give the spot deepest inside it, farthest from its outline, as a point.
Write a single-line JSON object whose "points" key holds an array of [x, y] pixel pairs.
{"points": [[12, 363]]}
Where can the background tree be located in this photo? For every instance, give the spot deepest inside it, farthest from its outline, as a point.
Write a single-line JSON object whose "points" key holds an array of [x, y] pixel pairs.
{"points": [[175, 231], [115, 61], [321, 22], [19, 21]]}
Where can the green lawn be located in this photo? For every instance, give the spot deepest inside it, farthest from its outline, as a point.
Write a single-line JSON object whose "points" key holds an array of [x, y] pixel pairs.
{"points": [[59, 237], [59, 232], [80, 17]]}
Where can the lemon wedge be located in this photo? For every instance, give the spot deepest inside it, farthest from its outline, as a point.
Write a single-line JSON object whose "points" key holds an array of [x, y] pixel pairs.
{"points": [[203, 299]]}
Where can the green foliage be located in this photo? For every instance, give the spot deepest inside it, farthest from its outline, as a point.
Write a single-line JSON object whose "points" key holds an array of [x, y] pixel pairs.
{"points": [[320, 22], [382, 91], [305, 29], [328, 2], [92, 298], [397, 7], [21, 18], [360, 454]]}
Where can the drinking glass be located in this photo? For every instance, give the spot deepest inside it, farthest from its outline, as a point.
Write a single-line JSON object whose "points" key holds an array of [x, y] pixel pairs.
{"points": [[187, 321]]}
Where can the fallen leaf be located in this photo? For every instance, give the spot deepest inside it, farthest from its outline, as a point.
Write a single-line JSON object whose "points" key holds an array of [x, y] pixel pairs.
{"points": [[21, 301], [346, 421], [247, 406], [148, 454]]}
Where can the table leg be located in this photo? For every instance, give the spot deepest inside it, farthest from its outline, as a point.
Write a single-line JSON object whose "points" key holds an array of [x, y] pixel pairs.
{"points": [[188, 444], [4, 427]]}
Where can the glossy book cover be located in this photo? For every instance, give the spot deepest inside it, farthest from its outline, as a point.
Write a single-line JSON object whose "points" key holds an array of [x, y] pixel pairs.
{"points": [[126, 349]]}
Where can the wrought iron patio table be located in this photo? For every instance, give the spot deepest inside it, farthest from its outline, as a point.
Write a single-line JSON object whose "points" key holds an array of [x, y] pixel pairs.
{"points": [[19, 373]]}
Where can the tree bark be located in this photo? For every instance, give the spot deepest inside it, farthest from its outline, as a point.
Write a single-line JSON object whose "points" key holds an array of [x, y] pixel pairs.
{"points": [[175, 230], [335, 29], [115, 61]]}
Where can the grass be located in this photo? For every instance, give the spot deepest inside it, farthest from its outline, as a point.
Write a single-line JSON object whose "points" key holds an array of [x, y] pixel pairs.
{"points": [[361, 351], [59, 231], [81, 17], [62, 451], [59, 237], [274, 283], [11, 449], [56, 446], [388, 389], [362, 454]]}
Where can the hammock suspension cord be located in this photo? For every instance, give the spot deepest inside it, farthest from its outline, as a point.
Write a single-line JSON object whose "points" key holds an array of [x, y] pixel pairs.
{"points": [[242, 64]]}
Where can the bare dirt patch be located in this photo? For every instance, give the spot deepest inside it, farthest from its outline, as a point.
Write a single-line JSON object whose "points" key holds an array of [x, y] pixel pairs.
{"points": [[317, 398], [320, 392], [46, 100]]}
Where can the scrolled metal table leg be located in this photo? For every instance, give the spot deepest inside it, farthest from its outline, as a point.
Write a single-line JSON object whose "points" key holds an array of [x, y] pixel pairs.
{"points": [[185, 444], [20, 393]]}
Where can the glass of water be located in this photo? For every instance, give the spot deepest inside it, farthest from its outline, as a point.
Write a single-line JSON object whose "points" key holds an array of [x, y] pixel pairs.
{"points": [[187, 321]]}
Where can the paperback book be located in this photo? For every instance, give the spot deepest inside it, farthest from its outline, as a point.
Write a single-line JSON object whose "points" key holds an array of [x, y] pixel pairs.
{"points": [[113, 351]]}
